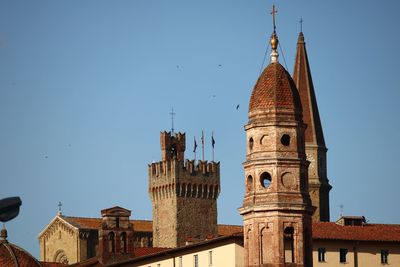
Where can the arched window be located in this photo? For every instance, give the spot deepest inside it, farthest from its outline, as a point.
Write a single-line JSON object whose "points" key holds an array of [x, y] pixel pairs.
{"points": [[123, 242], [60, 257], [111, 242], [251, 144], [249, 183], [288, 244], [173, 152]]}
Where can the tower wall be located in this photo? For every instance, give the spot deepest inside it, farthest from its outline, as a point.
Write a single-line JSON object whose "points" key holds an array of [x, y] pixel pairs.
{"points": [[319, 186], [184, 196], [276, 207]]}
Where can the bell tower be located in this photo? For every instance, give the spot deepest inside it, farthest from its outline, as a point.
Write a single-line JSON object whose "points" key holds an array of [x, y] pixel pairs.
{"points": [[183, 194], [319, 186], [115, 235], [276, 207]]}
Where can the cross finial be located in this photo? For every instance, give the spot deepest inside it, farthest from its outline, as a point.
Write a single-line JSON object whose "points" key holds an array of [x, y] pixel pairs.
{"points": [[172, 113], [59, 207], [301, 24], [273, 12]]}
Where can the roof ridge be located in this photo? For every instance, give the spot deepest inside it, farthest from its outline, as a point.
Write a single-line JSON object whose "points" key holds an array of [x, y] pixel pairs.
{"points": [[77, 217]]}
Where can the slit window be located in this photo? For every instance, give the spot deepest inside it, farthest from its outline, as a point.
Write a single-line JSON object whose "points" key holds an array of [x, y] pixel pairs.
{"points": [[123, 241], [111, 242], [288, 243]]}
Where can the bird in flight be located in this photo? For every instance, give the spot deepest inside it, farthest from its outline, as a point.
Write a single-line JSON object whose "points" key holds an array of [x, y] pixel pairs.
{"points": [[237, 107]]}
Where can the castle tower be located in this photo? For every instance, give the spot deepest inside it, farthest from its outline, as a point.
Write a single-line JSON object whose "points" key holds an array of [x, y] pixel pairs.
{"points": [[276, 207], [183, 194], [314, 137], [115, 235]]}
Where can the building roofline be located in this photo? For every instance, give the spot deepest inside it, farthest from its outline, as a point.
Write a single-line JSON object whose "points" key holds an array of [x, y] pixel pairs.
{"points": [[236, 238]]}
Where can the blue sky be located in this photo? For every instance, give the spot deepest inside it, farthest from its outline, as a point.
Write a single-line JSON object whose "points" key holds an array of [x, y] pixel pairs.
{"points": [[87, 86]]}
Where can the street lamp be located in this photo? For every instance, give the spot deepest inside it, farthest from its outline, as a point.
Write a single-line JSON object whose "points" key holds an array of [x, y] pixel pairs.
{"points": [[9, 208]]}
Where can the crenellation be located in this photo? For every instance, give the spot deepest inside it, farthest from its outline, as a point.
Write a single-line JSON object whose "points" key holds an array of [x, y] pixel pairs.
{"points": [[183, 187]]}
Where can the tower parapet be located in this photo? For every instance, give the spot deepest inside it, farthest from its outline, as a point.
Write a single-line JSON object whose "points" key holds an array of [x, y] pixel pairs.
{"points": [[183, 194]]}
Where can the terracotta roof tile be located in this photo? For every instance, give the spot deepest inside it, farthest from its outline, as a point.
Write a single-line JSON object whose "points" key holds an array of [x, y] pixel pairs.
{"points": [[274, 89], [12, 255], [52, 264], [95, 223], [225, 230], [139, 225], [147, 251], [321, 230], [367, 232]]}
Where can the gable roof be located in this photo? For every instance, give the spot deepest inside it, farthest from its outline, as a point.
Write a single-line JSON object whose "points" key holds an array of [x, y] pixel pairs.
{"points": [[116, 211], [58, 219]]}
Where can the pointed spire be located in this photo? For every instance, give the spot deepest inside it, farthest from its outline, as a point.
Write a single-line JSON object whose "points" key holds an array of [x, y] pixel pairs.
{"points": [[303, 81]]}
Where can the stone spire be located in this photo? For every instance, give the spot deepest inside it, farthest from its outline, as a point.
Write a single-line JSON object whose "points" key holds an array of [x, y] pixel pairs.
{"points": [[314, 138]]}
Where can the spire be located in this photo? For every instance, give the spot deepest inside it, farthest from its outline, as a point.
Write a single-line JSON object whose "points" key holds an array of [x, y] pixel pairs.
{"points": [[274, 39], [315, 148], [303, 81]]}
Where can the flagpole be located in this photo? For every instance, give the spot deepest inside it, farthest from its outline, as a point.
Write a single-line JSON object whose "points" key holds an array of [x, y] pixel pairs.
{"points": [[202, 143], [194, 149], [212, 144]]}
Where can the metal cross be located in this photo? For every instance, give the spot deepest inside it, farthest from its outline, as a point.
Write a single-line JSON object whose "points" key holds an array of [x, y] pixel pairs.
{"points": [[301, 24], [273, 12], [59, 206], [172, 113]]}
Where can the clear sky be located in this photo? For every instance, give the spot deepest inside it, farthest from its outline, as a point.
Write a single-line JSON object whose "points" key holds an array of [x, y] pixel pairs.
{"points": [[87, 86]]}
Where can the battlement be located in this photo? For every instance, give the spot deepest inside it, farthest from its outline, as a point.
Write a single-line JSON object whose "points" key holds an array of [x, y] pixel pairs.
{"points": [[175, 168], [183, 194]]}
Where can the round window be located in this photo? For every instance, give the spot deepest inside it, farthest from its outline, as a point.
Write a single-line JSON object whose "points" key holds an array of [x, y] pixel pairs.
{"points": [[265, 179], [285, 139]]}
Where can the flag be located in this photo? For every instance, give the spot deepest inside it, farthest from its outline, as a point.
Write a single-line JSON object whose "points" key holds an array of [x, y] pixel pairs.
{"points": [[202, 137], [195, 145], [212, 140]]}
